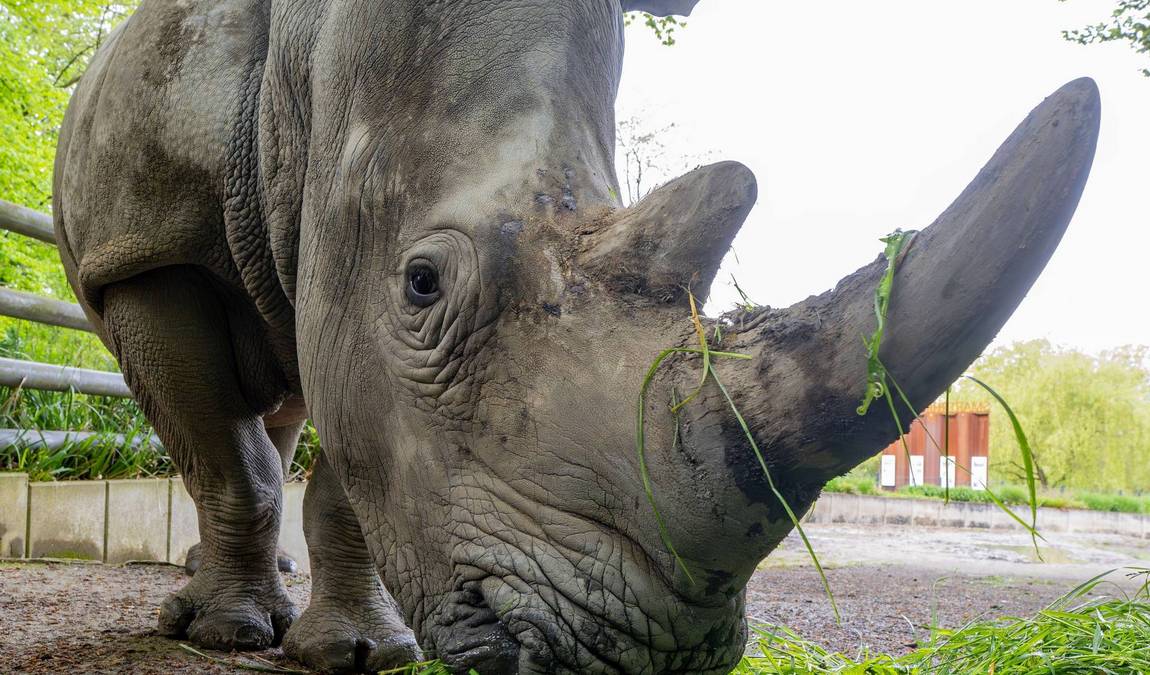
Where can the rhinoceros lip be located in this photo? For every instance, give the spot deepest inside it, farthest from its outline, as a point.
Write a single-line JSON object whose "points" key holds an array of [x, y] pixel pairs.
{"points": [[469, 635]]}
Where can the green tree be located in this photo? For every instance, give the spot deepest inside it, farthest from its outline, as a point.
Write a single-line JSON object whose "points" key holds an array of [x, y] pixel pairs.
{"points": [[1087, 417], [1129, 22], [44, 47]]}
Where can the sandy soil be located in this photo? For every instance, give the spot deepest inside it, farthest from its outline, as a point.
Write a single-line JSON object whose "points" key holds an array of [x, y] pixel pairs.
{"points": [[889, 582]]}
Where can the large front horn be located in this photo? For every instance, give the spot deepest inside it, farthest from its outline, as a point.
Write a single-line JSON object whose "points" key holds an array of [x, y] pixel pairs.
{"points": [[955, 287]]}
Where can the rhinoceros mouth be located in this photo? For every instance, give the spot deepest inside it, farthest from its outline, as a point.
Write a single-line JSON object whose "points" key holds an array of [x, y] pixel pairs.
{"points": [[466, 634]]}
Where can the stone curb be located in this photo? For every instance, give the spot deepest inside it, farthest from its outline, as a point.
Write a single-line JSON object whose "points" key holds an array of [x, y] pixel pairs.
{"points": [[116, 521], [833, 507]]}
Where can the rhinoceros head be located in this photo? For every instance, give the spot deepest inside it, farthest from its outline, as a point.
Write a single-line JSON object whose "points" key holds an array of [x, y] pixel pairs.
{"points": [[477, 315]]}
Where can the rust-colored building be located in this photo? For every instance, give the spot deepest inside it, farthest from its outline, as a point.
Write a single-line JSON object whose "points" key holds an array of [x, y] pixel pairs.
{"points": [[954, 448]]}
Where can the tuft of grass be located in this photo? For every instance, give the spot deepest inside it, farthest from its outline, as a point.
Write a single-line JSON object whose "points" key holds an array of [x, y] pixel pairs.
{"points": [[705, 352], [745, 303], [99, 457], [1114, 503], [1074, 634], [896, 243], [1027, 455]]}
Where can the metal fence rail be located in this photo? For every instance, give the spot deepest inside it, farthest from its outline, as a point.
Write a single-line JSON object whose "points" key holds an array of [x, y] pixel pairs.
{"points": [[45, 376], [31, 439], [25, 221], [32, 307]]}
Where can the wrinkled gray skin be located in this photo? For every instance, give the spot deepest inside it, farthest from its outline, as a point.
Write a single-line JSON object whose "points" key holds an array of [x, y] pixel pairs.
{"points": [[244, 190]]}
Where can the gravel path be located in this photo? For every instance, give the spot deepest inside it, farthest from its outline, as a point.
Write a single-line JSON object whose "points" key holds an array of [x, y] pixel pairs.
{"points": [[80, 618]]}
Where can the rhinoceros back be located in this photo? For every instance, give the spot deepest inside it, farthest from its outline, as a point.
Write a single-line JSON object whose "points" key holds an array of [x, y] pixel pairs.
{"points": [[154, 140]]}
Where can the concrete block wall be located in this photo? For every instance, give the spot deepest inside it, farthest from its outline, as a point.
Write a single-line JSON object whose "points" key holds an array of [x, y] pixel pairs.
{"points": [[13, 515], [155, 520], [66, 519], [876, 510], [137, 521], [116, 521]]}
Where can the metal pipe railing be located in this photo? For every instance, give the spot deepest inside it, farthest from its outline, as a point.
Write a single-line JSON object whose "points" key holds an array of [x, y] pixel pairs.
{"points": [[27, 222], [45, 376], [32, 307], [30, 439]]}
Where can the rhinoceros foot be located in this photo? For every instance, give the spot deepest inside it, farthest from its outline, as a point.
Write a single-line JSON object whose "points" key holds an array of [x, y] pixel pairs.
{"points": [[337, 637], [227, 611]]}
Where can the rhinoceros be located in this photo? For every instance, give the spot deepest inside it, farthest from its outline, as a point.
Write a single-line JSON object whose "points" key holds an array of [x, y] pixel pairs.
{"points": [[401, 219]]}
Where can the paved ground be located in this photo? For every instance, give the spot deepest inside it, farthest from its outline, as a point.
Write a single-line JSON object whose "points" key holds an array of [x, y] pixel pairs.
{"points": [[889, 582]]}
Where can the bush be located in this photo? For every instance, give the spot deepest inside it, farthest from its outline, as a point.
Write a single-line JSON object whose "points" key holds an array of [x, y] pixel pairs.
{"points": [[1017, 495], [1114, 503], [1012, 494], [853, 484]]}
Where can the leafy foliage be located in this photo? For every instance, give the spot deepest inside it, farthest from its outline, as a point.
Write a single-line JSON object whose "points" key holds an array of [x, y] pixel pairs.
{"points": [[663, 26], [1129, 22], [1087, 417], [44, 47]]}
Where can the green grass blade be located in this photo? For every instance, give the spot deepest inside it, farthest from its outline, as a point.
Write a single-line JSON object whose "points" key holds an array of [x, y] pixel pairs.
{"points": [[1023, 445], [641, 449], [704, 348], [896, 243], [901, 432], [778, 495], [641, 443]]}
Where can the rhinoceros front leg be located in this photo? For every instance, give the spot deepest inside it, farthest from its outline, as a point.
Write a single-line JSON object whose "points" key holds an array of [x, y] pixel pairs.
{"points": [[285, 437], [169, 330], [352, 623]]}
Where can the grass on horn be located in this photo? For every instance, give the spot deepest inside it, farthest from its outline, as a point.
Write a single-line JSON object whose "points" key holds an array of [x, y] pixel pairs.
{"points": [[880, 384], [706, 353]]}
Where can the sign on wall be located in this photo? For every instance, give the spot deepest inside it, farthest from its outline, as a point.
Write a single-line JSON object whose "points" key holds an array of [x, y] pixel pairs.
{"points": [[887, 473], [917, 470], [946, 469], [978, 467]]}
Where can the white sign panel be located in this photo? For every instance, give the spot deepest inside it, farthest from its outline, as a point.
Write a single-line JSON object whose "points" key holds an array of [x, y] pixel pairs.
{"points": [[978, 466], [917, 466], [946, 468], [887, 471]]}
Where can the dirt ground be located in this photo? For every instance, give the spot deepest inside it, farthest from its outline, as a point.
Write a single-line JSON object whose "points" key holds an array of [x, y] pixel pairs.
{"points": [[889, 582]]}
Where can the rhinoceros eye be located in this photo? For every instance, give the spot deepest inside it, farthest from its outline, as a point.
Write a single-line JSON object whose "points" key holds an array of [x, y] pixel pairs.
{"points": [[422, 285]]}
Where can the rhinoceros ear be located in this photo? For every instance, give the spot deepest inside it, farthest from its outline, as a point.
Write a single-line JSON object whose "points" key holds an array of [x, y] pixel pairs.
{"points": [[660, 7]]}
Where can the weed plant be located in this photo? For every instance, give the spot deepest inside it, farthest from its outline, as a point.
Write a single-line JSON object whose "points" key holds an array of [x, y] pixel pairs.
{"points": [[1075, 634]]}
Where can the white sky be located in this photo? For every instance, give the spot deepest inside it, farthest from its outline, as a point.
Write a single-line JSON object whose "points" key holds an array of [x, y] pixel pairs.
{"points": [[860, 117]]}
